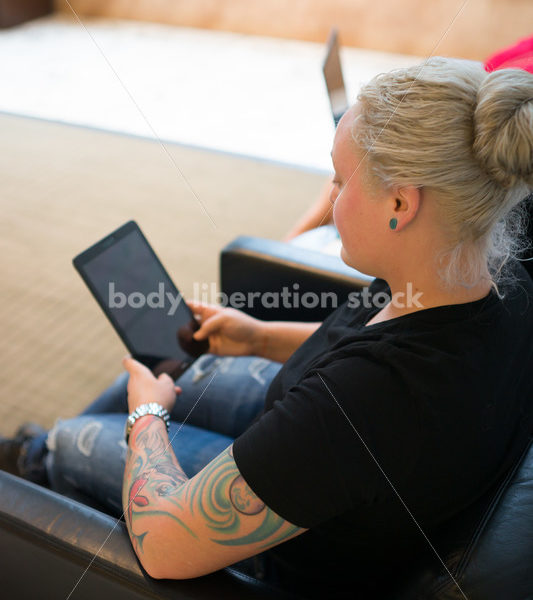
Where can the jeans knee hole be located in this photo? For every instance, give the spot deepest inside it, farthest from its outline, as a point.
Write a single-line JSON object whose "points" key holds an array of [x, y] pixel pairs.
{"points": [[87, 437], [256, 367]]}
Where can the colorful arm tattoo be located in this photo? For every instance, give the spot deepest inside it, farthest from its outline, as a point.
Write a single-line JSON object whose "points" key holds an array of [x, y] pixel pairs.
{"points": [[217, 500]]}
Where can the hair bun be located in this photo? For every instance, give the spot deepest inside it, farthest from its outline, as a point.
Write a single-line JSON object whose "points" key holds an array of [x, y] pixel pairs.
{"points": [[503, 127]]}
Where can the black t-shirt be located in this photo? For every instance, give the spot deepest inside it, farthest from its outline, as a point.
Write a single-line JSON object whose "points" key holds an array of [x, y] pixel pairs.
{"points": [[433, 406]]}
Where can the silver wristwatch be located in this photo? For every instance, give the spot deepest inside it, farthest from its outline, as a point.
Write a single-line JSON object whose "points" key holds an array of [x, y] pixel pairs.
{"points": [[151, 408]]}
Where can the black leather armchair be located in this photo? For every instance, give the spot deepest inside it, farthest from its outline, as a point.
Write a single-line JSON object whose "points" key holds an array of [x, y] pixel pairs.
{"points": [[51, 544]]}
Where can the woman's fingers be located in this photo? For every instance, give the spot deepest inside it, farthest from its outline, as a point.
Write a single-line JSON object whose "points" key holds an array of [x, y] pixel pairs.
{"points": [[134, 366], [201, 309], [208, 327], [166, 378], [196, 307]]}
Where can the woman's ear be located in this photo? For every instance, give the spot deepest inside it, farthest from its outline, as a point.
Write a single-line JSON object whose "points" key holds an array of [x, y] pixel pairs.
{"points": [[405, 204]]}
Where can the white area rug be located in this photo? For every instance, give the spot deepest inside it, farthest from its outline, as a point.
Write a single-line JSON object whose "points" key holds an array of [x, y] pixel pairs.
{"points": [[256, 96]]}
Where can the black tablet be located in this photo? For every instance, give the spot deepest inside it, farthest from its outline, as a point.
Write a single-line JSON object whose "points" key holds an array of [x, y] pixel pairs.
{"points": [[144, 306]]}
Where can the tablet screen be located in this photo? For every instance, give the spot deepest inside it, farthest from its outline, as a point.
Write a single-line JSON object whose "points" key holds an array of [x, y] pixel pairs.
{"points": [[141, 301]]}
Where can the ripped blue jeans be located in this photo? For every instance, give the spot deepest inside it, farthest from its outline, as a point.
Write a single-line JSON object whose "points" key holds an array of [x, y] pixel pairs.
{"points": [[221, 397]]}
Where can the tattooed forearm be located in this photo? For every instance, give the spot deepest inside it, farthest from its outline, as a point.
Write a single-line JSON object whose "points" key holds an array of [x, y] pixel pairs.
{"points": [[215, 506], [151, 472]]}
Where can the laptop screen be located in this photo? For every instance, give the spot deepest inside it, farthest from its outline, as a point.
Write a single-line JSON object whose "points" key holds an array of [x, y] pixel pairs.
{"points": [[333, 77]]}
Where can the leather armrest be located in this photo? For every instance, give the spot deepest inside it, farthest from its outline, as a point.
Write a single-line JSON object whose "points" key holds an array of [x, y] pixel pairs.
{"points": [[250, 265], [48, 542]]}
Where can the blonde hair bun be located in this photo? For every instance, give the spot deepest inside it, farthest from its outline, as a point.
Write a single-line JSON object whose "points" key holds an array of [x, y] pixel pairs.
{"points": [[503, 127]]}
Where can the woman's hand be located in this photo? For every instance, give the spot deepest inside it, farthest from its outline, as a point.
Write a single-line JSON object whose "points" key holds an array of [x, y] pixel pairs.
{"points": [[143, 387], [230, 332]]}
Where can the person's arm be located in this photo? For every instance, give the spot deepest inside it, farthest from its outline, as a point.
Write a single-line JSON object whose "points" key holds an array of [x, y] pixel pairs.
{"points": [[179, 527], [278, 340], [233, 333], [320, 213]]}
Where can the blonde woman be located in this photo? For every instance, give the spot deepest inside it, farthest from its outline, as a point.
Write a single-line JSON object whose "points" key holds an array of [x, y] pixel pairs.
{"points": [[426, 398]]}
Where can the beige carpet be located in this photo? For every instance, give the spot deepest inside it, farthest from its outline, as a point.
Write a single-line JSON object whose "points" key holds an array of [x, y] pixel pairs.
{"points": [[64, 187]]}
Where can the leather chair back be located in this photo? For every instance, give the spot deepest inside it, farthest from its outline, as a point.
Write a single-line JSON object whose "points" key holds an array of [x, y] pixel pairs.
{"points": [[488, 549]]}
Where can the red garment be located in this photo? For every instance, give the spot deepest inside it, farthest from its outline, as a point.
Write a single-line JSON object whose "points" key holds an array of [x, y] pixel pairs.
{"points": [[517, 56]]}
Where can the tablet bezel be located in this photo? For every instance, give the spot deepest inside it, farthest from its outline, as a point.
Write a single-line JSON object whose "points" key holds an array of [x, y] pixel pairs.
{"points": [[95, 250]]}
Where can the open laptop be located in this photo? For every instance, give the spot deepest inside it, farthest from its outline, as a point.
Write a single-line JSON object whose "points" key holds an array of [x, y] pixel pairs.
{"points": [[333, 77]]}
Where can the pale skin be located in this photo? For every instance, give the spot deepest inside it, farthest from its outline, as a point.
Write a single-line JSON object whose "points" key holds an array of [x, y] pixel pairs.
{"points": [[182, 528]]}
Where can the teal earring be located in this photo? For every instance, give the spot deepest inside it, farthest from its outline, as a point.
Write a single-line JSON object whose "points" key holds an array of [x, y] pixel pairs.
{"points": [[393, 223]]}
